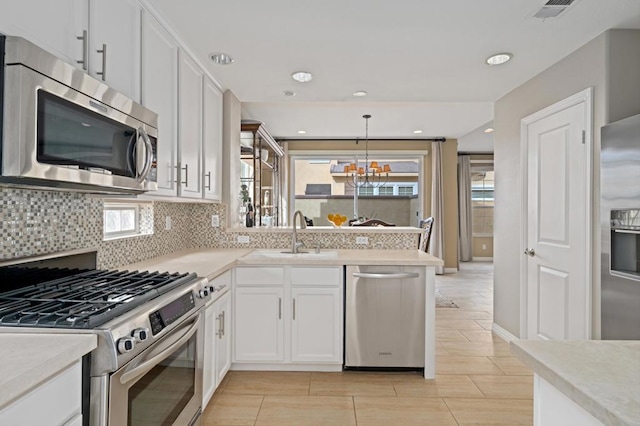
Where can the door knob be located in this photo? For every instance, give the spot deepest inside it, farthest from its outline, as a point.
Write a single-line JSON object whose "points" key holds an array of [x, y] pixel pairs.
{"points": [[530, 252]]}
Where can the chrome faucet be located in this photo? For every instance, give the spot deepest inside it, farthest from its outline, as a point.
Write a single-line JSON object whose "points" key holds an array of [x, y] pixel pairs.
{"points": [[295, 245]]}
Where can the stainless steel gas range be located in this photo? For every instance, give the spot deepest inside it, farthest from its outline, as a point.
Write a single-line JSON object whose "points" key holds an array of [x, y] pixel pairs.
{"points": [[147, 368]]}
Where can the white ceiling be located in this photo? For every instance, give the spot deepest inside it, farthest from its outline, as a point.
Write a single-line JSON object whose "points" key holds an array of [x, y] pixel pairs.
{"points": [[421, 61]]}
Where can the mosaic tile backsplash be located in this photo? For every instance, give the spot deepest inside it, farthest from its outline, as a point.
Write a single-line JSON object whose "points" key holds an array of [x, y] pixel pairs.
{"points": [[35, 222]]}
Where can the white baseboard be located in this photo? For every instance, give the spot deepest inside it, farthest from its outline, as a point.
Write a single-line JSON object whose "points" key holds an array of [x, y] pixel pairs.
{"points": [[450, 270], [482, 259], [501, 332]]}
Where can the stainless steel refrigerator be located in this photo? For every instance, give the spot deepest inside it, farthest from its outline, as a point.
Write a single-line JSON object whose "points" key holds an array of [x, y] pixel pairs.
{"points": [[620, 220]]}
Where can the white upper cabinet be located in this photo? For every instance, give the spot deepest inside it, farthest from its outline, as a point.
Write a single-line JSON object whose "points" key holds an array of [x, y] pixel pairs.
{"points": [[160, 94], [77, 31], [190, 78], [60, 27], [115, 44], [212, 142]]}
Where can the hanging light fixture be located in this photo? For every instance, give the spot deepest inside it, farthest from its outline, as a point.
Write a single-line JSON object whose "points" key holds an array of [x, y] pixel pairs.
{"points": [[368, 175]]}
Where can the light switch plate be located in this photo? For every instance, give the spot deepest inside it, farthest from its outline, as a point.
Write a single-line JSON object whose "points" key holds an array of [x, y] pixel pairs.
{"points": [[215, 220], [167, 223], [244, 239], [362, 240]]}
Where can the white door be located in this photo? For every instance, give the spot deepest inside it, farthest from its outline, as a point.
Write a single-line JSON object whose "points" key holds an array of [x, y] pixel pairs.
{"points": [[223, 343], [212, 141], [190, 126], [57, 26], [556, 269], [116, 25], [316, 326], [258, 324], [160, 94]]}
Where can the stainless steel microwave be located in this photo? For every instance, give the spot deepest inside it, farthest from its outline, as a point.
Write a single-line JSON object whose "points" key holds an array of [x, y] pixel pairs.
{"points": [[63, 128]]}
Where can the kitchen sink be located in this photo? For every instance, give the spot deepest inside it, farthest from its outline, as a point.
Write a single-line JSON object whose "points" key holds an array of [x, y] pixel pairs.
{"points": [[284, 254]]}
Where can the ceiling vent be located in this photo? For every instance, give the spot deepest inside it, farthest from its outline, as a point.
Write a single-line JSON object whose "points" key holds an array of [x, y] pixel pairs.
{"points": [[552, 9]]}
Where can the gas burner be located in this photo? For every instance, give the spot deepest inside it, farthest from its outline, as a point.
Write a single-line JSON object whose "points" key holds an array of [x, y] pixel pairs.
{"points": [[79, 298]]}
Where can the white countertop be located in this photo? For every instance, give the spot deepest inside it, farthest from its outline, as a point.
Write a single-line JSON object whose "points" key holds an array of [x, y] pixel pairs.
{"points": [[601, 376], [212, 262], [29, 359]]}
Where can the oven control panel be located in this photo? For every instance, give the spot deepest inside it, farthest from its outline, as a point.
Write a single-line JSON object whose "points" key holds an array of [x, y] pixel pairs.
{"points": [[171, 312]]}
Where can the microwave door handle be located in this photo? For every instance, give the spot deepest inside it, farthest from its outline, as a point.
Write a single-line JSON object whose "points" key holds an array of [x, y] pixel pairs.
{"points": [[131, 154], [147, 365], [149, 155]]}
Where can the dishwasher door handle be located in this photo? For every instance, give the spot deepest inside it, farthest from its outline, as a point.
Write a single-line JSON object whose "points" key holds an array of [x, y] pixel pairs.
{"points": [[389, 275]]}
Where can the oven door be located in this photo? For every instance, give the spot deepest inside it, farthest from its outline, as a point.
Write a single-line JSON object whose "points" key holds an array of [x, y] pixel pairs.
{"points": [[162, 385]]}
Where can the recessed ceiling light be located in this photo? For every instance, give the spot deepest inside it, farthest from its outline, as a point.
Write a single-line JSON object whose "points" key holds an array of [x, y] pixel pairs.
{"points": [[417, 132], [302, 132], [359, 93], [302, 76], [488, 130], [221, 58], [289, 93], [499, 58]]}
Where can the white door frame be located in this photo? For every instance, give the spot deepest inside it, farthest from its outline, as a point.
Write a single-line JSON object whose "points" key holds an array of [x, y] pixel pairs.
{"points": [[585, 96]]}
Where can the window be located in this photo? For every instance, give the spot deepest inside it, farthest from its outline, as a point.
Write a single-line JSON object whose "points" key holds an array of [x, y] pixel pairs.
{"points": [[385, 190], [319, 186], [127, 219], [482, 201]]}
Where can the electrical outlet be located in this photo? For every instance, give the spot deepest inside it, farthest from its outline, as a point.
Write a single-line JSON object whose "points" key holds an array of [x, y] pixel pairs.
{"points": [[244, 239], [167, 223], [484, 247], [215, 220], [362, 240]]}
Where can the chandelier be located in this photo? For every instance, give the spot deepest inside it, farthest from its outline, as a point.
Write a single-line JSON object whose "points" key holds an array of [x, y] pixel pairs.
{"points": [[370, 175]]}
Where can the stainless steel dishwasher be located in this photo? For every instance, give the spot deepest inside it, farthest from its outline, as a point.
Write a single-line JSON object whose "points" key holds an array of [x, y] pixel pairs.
{"points": [[385, 317]]}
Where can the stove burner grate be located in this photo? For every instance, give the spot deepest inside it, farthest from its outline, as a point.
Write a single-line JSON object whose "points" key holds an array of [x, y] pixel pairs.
{"points": [[84, 299]]}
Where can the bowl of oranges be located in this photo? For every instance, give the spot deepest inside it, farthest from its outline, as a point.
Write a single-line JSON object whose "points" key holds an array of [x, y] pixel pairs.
{"points": [[336, 219]]}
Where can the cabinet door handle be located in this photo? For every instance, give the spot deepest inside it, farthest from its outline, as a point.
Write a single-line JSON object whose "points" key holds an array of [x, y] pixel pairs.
{"points": [[279, 308], [219, 331], [224, 323], [177, 173], [186, 175], [103, 73], [85, 49], [294, 308], [208, 175]]}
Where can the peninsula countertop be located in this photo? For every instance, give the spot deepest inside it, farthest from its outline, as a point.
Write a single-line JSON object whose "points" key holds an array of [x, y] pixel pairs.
{"points": [[210, 263], [601, 376]]}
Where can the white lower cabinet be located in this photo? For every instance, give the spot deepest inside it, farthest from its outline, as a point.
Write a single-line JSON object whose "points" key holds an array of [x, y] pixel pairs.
{"points": [[288, 315], [259, 327], [224, 332], [316, 324], [56, 402], [217, 341]]}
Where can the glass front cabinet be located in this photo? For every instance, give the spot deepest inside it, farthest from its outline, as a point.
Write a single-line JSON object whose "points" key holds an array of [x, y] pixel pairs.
{"points": [[261, 157]]}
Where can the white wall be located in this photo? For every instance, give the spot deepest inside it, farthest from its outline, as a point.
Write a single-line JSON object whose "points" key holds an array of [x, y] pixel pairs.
{"points": [[610, 65]]}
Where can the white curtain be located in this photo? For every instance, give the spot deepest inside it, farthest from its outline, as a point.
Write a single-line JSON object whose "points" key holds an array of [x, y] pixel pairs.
{"points": [[465, 239], [436, 247]]}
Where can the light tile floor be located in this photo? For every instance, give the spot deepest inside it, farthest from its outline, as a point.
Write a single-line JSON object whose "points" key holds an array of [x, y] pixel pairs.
{"points": [[477, 380]]}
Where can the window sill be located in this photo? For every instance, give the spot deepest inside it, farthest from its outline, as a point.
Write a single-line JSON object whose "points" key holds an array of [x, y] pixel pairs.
{"points": [[121, 237]]}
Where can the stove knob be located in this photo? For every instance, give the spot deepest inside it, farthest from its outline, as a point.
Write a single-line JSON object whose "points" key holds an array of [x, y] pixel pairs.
{"points": [[212, 289], [202, 293], [140, 334], [126, 344]]}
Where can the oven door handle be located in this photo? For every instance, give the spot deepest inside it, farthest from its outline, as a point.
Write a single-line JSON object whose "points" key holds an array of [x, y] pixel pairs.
{"points": [[147, 365]]}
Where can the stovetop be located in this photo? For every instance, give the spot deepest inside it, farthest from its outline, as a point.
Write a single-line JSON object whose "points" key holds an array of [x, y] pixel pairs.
{"points": [[77, 298]]}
